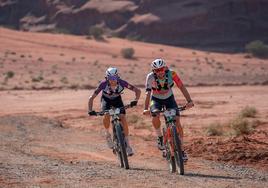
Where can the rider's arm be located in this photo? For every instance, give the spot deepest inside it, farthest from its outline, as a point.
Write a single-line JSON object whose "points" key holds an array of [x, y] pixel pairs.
{"points": [[131, 87], [137, 93], [94, 95], [180, 85], [148, 86], [185, 93], [147, 99], [90, 101]]}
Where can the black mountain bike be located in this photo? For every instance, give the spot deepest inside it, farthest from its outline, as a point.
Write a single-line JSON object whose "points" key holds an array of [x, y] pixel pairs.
{"points": [[172, 142], [119, 143]]}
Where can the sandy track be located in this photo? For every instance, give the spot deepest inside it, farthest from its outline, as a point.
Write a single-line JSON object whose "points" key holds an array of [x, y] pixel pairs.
{"points": [[48, 141]]}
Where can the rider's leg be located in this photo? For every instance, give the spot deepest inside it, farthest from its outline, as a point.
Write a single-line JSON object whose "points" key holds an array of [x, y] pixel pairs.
{"points": [[106, 122], [126, 132], [124, 124], [105, 105], [157, 124], [180, 130], [155, 107]]}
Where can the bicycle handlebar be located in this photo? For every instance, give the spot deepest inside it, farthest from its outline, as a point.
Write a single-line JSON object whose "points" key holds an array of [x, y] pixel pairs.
{"points": [[101, 113], [181, 108]]}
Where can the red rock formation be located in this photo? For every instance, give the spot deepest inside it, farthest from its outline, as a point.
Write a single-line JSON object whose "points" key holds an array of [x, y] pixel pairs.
{"points": [[195, 23]]}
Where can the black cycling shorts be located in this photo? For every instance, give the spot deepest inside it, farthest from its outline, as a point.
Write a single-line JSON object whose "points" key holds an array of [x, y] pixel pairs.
{"points": [[107, 103], [158, 104]]}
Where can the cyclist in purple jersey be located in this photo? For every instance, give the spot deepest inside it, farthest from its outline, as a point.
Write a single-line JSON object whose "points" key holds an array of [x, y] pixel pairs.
{"points": [[112, 88]]}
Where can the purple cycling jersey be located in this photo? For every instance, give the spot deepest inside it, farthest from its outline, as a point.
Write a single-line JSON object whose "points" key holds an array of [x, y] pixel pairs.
{"points": [[108, 92]]}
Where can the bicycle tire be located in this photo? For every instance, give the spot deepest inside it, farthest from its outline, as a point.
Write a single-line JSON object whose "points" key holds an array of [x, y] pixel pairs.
{"points": [[178, 151], [122, 145]]}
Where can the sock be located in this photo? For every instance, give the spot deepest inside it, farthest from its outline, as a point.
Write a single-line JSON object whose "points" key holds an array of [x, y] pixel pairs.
{"points": [[158, 132]]}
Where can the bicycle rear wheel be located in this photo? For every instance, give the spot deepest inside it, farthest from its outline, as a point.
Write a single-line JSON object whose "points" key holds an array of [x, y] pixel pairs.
{"points": [[178, 151], [122, 146]]}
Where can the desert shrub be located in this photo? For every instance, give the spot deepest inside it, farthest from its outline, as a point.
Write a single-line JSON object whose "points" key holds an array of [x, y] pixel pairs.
{"points": [[40, 59], [9, 74], [127, 53], [214, 129], [38, 78], [258, 49], [241, 126], [96, 32], [64, 80], [248, 112]]}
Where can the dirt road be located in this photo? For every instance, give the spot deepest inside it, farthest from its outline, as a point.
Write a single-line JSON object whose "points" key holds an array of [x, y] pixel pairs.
{"points": [[48, 141]]}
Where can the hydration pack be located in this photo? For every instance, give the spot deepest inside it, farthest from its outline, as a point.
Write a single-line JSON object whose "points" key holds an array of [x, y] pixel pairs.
{"points": [[166, 84]]}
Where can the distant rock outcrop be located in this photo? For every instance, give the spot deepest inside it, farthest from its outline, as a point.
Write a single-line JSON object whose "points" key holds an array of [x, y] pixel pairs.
{"points": [[193, 23]]}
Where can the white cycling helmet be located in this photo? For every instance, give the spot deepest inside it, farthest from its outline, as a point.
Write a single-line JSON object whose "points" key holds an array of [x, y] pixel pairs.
{"points": [[111, 73], [158, 63]]}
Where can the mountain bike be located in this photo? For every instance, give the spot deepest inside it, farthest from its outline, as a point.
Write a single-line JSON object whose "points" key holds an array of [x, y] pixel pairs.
{"points": [[119, 143], [172, 142]]}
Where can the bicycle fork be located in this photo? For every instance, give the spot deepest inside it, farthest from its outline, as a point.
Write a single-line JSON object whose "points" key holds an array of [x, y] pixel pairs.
{"points": [[169, 141]]}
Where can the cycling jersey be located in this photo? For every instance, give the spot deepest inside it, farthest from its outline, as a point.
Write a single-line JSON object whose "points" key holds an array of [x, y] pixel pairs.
{"points": [[110, 93], [162, 88]]}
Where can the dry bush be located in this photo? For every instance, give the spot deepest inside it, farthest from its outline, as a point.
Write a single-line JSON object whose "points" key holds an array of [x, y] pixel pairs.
{"points": [[258, 49], [248, 112], [241, 126], [214, 129], [128, 53]]}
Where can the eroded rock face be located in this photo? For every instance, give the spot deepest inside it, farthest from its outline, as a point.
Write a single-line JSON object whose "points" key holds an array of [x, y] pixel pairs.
{"points": [[195, 23]]}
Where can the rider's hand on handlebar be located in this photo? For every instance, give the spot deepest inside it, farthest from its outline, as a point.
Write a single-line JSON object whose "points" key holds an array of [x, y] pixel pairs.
{"points": [[92, 113], [146, 112], [189, 104], [133, 103]]}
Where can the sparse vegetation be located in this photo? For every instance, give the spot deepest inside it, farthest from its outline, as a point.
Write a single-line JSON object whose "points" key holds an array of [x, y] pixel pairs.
{"points": [[241, 126], [40, 59], [258, 49], [127, 53], [96, 62], [64, 80], [74, 86], [9, 74], [214, 129], [96, 32], [37, 79], [248, 112]]}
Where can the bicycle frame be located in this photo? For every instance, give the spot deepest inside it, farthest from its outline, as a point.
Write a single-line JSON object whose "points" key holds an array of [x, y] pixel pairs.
{"points": [[170, 119], [172, 143], [119, 147]]}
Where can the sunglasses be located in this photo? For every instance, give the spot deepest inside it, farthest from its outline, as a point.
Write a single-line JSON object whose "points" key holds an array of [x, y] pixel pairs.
{"points": [[112, 78], [160, 70]]}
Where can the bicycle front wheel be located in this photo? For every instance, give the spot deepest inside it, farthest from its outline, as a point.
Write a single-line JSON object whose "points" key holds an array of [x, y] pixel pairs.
{"points": [[122, 146], [178, 151]]}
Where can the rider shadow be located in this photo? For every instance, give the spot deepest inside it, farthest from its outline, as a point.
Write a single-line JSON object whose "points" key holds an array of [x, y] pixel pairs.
{"points": [[211, 176], [146, 169]]}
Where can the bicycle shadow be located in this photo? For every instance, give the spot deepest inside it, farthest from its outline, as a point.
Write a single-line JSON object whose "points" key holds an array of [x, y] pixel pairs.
{"points": [[146, 169], [211, 176]]}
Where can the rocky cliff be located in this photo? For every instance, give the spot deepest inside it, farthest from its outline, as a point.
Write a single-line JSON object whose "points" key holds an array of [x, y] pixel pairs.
{"points": [[192, 23]]}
